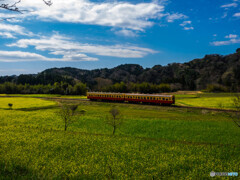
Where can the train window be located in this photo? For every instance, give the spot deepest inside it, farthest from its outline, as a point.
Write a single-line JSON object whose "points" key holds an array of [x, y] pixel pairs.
{"points": [[167, 99], [163, 99]]}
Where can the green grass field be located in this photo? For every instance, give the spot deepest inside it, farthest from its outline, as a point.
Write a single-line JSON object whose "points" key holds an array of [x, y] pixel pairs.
{"points": [[154, 142], [44, 96], [210, 100]]}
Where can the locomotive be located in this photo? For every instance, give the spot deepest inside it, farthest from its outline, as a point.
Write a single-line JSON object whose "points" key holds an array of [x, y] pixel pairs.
{"points": [[132, 98]]}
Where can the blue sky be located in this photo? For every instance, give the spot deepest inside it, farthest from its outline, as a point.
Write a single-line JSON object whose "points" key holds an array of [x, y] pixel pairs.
{"points": [[97, 34]]}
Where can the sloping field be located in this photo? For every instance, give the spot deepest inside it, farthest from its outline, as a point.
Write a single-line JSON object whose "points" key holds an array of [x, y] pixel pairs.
{"points": [[154, 142]]}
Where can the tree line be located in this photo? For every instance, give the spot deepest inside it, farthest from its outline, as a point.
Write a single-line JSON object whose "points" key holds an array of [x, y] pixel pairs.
{"points": [[145, 88], [57, 88], [79, 88]]}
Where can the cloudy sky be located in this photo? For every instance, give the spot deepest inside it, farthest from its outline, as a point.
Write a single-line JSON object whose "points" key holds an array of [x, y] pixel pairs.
{"points": [[90, 34]]}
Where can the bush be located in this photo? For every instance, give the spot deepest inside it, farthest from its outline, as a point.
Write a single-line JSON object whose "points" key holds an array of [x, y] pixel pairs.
{"points": [[216, 88]]}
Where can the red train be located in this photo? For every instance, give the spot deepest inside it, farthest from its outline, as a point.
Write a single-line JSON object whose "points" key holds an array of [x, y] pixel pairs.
{"points": [[134, 98]]}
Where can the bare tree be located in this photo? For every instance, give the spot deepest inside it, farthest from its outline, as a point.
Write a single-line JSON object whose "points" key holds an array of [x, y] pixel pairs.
{"points": [[14, 7], [236, 105], [68, 114], [115, 121]]}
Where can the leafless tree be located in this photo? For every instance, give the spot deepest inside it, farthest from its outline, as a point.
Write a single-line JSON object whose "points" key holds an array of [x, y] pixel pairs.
{"points": [[68, 114], [14, 7], [115, 121]]}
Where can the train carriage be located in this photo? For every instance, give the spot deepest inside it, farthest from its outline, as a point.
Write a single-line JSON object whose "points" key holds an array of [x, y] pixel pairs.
{"points": [[106, 96], [132, 98], [149, 98]]}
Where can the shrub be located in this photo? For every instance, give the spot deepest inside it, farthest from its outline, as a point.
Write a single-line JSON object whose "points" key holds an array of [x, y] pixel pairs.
{"points": [[216, 88], [10, 105]]}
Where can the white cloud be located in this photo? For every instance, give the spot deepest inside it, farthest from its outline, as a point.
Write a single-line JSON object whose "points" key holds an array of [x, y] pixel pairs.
{"points": [[229, 5], [188, 28], [229, 42], [175, 16], [9, 30], [232, 39], [72, 51], [12, 28], [20, 56], [11, 17], [125, 32], [115, 14], [236, 15], [187, 25], [231, 36], [7, 35]]}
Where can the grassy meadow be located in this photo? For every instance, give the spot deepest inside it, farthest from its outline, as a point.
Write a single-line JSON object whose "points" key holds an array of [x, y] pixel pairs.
{"points": [[154, 142], [209, 100]]}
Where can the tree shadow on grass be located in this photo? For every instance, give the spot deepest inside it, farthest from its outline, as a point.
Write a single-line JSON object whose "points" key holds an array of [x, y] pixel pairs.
{"points": [[32, 108]]}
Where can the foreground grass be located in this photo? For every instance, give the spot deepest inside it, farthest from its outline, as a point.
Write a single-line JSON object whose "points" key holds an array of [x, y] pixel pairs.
{"points": [[29, 153], [154, 142]]}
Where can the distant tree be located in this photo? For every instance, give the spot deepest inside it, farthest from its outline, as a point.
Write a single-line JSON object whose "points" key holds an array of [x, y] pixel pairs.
{"points": [[164, 88], [68, 114], [10, 105], [216, 88], [80, 89], [102, 83], [115, 121]]}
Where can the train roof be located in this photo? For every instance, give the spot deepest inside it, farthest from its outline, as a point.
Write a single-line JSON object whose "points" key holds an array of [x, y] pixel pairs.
{"points": [[106, 93], [130, 94], [155, 95]]}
